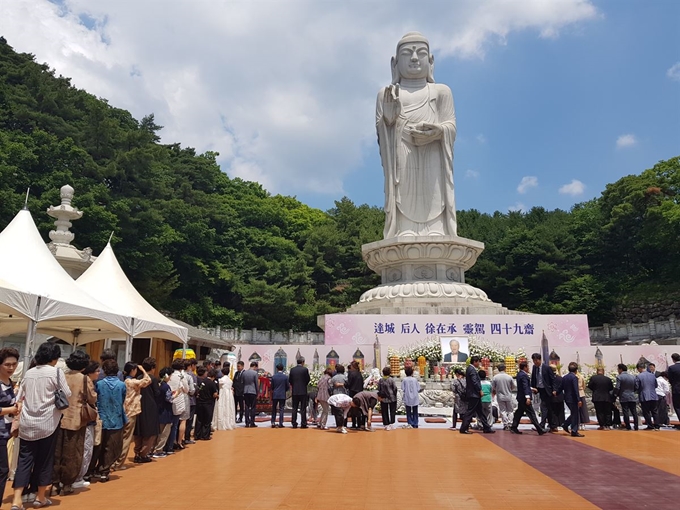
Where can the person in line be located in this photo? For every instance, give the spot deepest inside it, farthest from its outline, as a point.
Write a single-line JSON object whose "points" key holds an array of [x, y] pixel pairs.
{"points": [[208, 394], [322, 396], [340, 405], [583, 408], [487, 407], [39, 418], [474, 393], [524, 394], [165, 414], [111, 392], [460, 400], [299, 379], [190, 370], [147, 425], [542, 383], [674, 380], [625, 389], [410, 388], [280, 385], [105, 355], [132, 406], [558, 397], [355, 384], [239, 400], [224, 407], [502, 386], [9, 360], [92, 374], [572, 390], [251, 388], [312, 405], [338, 382], [365, 401], [387, 394], [70, 442], [646, 387], [180, 388], [663, 393], [602, 386]]}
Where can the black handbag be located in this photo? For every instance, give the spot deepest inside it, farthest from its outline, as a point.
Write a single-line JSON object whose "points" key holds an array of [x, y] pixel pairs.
{"points": [[60, 399]]}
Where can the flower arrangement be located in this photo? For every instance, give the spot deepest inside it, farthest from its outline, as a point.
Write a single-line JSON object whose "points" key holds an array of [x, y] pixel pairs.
{"points": [[495, 352], [315, 377]]}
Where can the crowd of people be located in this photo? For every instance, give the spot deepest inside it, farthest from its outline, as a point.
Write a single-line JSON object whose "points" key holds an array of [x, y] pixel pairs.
{"points": [[542, 391], [77, 425]]}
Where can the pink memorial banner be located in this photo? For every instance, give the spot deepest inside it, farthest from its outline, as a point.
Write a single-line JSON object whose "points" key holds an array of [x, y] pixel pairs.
{"points": [[513, 331]]}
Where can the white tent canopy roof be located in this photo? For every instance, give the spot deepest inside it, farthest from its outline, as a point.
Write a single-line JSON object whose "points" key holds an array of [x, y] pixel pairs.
{"points": [[33, 284], [106, 280]]}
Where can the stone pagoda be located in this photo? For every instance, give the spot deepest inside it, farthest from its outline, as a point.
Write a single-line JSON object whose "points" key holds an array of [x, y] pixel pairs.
{"points": [[73, 260]]}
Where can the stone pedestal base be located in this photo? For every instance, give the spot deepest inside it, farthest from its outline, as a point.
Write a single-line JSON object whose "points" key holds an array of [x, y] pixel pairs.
{"points": [[424, 275]]}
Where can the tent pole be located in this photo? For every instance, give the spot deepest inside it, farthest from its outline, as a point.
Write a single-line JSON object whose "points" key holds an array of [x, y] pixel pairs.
{"points": [[30, 337], [128, 341], [184, 349]]}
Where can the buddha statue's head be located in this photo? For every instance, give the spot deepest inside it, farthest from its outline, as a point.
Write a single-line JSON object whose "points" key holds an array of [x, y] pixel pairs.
{"points": [[413, 59]]}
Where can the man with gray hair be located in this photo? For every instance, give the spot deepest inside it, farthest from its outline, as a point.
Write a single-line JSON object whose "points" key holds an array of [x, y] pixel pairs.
{"points": [[299, 380], [503, 386]]}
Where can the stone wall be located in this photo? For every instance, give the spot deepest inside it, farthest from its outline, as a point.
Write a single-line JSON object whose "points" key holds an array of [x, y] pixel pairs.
{"points": [[639, 311]]}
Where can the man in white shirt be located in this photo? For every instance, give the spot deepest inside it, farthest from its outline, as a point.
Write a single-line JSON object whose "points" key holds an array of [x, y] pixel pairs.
{"points": [[503, 387]]}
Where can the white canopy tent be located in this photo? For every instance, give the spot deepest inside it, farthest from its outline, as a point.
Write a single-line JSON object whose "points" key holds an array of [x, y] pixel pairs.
{"points": [[106, 280], [36, 294]]}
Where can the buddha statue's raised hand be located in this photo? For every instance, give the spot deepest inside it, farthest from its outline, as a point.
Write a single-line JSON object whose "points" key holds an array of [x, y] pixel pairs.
{"points": [[391, 104]]}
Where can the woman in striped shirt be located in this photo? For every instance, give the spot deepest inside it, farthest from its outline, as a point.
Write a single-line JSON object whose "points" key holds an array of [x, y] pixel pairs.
{"points": [[38, 422]]}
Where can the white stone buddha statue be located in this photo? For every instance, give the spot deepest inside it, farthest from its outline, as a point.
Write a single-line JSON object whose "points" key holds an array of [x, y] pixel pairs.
{"points": [[416, 124]]}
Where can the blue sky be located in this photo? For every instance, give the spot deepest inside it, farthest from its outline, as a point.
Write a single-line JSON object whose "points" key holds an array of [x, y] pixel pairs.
{"points": [[574, 93], [554, 109]]}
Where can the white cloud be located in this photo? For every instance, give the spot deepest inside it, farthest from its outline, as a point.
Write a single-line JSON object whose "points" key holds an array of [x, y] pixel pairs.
{"points": [[574, 188], [285, 94], [674, 72], [481, 138], [518, 207], [527, 182], [625, 141], [471, 174]]}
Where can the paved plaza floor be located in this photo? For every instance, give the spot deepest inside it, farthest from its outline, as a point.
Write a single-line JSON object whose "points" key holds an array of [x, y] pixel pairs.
{"points": [[428, 468]]}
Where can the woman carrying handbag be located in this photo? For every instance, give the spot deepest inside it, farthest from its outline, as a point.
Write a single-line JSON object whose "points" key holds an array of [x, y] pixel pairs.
{"points": [[70, 442], [41, 393]]}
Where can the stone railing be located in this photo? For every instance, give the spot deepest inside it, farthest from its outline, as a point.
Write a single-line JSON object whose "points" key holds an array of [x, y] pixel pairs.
{"points": [[255, 336], [635, 332]]}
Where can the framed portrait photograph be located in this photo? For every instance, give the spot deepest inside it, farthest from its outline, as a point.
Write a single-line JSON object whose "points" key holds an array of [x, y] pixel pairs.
{"points": [[455, 349]]}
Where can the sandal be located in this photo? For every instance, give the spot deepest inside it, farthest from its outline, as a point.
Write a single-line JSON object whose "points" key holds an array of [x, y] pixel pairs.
{"points": [[38, 504], [15, 507]]}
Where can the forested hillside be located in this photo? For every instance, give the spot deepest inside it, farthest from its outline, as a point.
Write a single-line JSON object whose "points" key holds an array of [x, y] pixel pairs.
{"points": [[213, 250]]}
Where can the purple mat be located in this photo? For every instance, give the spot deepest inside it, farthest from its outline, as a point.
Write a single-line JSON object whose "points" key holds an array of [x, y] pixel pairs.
{"points": [[605, 479]]}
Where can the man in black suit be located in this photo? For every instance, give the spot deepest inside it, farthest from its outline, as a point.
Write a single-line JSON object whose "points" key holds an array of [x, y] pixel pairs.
{"points": [[524, 392], [674, 380], [455, 355], [299, 379], [572, 399], [542, 380], [602, 388], [473, 393], [238, 391]]}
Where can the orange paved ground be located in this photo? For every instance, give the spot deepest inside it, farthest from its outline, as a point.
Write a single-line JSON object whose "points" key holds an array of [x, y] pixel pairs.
{"points": [[656, 449], [297, 469]]}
